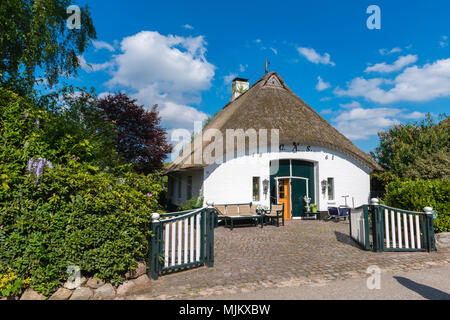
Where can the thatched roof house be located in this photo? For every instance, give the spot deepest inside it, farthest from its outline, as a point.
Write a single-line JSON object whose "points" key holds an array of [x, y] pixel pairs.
{"points": [[309, 142]]}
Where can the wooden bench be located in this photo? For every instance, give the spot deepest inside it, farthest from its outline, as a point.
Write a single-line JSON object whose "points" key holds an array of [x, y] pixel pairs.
{"points": [[243, 211]]}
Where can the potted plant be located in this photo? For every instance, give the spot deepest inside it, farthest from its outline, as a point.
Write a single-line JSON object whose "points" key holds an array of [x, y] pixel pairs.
{"points": [[314, 208]]}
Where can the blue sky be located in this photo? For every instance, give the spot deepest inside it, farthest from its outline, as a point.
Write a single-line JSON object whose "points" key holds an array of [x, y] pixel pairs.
{"points": [[183, 54]]}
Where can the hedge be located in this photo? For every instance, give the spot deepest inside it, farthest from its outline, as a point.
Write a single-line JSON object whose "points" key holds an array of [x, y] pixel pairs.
{"points": [[416, 194], [69, 216]]}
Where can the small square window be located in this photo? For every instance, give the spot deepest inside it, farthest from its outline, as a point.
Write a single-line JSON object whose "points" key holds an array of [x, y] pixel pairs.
{"points": [[255, 188]]}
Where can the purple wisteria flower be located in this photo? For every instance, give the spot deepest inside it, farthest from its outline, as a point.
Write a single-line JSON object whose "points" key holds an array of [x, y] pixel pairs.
{"points": [[37, 166]]}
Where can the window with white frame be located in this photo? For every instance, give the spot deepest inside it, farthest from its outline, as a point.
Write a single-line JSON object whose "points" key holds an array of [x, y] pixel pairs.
{"points": [[330, 183]]}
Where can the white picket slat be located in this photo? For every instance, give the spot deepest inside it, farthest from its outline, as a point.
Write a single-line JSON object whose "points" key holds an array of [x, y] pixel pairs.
{"points": [[411, 231], [418, 232], [197, 240], [405, 230], [180, 229], [191, 251], [399, 228], [174, 232], [166, 246], [386, 225], [186, 233], [394, 243]]}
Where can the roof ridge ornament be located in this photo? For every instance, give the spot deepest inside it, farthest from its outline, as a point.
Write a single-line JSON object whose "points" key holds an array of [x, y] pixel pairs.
{"points": [[273, 81]]}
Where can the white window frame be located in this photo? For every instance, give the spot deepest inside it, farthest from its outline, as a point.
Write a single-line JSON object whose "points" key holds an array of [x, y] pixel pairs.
{"points": [[332, 188]]}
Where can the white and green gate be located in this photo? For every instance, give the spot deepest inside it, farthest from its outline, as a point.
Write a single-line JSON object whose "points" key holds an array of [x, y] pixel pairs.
{"points": [[182, 240], [384, 228]]}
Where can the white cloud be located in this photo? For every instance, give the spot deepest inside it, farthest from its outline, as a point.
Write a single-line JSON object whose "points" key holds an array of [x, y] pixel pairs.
{"points": [[170, 71], [414, 84], [444, 41], [257, 41], [98, 45], [351, 105], [228, 78], [322, 85], [326, 111], [174, 63], [312, 56], [361, 123], [188, 27], [242, 67], [93, 67], [275, 51], [387, 51], [399, 64]]}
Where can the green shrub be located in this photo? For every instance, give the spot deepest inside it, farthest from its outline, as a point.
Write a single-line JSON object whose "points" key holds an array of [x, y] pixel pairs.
{"points": [[75, 216], [414, 195]]}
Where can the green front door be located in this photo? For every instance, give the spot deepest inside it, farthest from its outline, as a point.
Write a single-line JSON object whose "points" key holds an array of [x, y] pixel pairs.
{"points": [[298, 193]]}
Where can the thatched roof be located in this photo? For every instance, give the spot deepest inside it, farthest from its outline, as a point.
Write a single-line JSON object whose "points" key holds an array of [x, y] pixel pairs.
{"points": [[270, 104]]}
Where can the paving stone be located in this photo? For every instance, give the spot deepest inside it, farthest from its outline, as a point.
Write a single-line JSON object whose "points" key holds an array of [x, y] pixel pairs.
{"points": [[306, 250]]}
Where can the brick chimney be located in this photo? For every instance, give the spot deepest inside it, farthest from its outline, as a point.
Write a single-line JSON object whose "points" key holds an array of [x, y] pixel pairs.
{"points": [[238, 87]]}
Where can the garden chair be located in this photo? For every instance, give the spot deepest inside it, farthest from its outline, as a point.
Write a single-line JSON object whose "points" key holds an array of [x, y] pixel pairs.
{"points": [[276, 213], [221, 213]]}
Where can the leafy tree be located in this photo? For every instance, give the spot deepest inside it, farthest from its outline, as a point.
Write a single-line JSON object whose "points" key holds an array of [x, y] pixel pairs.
{"points": [[432, 166], [35, 39], [79, 129], [140, 138], [402, 146]]}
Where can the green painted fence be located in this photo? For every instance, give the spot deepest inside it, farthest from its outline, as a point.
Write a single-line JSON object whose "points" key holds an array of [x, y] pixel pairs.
{"points": [[383, 228], [182, 240]]}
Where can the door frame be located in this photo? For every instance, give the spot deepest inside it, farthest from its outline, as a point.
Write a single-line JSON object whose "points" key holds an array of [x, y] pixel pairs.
{"points": [[290, 191]]}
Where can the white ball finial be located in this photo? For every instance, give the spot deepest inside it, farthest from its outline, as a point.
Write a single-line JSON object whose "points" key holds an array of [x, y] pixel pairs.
{"points": [[155, 216], [428, 210], [374, 201]]}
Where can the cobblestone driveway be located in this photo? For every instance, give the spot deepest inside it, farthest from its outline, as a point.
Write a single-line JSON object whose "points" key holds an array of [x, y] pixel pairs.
{"points": [[301, 252]]}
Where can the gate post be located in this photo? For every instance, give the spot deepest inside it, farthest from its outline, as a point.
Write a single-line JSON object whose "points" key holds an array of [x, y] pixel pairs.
{"points": [[209, 235], [428, 219], [155, 244], [377, 225]]}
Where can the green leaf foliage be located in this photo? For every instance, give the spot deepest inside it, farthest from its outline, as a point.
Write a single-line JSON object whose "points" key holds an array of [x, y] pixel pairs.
{"points": [[85, 210], [403, 146], [414, 195], [35, 42]]}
